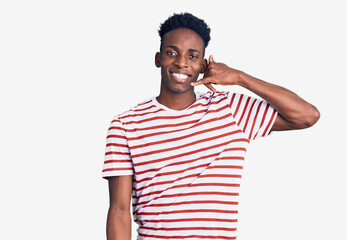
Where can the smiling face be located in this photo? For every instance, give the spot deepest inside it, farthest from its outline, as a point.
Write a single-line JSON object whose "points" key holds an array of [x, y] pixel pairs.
{"points": [[181, 60]]}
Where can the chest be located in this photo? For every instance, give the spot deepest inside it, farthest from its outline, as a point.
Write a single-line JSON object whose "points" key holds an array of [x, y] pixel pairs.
{"points": [[164, 141]]}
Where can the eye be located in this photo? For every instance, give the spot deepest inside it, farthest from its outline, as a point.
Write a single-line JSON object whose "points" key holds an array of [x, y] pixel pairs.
{"points": [[171, 53], [193, 57]]}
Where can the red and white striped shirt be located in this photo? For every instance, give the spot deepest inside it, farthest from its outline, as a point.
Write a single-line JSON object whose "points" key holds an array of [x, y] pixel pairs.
{"points": [[186, 164]]}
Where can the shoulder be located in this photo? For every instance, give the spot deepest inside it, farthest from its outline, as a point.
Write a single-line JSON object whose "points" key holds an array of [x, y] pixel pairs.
{"points": [[235, 101], [140, 109]]}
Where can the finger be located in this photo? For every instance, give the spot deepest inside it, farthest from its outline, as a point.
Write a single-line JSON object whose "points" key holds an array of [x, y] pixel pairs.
{"points": [[209, 86], [203, 81], [210, 59]]}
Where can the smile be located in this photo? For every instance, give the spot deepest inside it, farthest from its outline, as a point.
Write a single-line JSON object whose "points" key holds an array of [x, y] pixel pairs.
{"points": [[180, 77]]}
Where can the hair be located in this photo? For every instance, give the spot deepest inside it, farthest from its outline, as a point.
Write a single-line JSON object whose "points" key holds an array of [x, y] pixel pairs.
{"points": [[185, 20]]}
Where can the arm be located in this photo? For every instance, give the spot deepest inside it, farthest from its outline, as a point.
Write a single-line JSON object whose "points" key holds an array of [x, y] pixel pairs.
{"points": [[294, 112], [118, 218]]}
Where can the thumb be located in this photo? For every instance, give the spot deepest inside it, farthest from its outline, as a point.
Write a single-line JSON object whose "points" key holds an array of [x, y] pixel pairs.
{"points": [[210, 59]]}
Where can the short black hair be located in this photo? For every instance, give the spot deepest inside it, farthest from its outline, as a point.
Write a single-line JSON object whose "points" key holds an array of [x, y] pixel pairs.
{"points": [[185, 20]]}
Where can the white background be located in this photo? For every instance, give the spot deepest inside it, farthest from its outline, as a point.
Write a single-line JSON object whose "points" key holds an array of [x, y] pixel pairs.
{"points": [[67, 67]]}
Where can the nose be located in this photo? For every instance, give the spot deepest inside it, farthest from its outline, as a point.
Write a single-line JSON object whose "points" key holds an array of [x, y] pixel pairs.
{"points": [[181, 61]]}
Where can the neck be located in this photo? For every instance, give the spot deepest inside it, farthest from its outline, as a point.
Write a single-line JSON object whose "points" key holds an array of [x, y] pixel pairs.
{"points": [[176, 101]]}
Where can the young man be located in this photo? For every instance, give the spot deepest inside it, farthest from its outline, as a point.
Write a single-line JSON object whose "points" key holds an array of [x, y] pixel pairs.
{"points": [[180, 155]]}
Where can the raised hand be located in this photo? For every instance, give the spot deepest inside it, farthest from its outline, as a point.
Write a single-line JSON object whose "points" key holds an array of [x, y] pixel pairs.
{"points": [[218, 73], [294, 112]]}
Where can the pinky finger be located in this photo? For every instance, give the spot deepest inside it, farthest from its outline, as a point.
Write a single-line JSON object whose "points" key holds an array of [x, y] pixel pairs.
{"points": [[209, 86]]}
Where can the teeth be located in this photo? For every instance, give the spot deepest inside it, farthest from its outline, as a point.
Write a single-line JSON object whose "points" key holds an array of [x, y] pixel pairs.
{"points": [[180, 76]]}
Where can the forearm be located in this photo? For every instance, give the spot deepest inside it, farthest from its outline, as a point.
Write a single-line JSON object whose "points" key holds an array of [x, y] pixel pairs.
{"points": [[292, 108], [294, 112], [118, 225]]}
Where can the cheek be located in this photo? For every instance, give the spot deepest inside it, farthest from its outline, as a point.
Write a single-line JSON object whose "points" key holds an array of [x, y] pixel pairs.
{"points": [[163, 70], [199, 68], [164, 73]]}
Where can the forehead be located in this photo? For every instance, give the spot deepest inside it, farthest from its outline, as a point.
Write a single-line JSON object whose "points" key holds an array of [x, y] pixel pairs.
{"points": [[183, 38]]}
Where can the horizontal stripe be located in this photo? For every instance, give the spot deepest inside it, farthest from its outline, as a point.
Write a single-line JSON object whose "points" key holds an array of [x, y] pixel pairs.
{"points": [[173, 117], [116, 128], [189, 194], [187, 164], [196, 123], [190, 185], [116, 169], [191, 152], [116, 136], [190, 211], [144, 103], [142, 109], [172, 172], [190, 176], [116, 153], [159, 110], [187, 169], [117, 145], [118, 161], [138, 173], [141, 114], [185, 237], [189, 228], [116, 121], [182, 137], [192, 220], [225, 167], [191, 202]]}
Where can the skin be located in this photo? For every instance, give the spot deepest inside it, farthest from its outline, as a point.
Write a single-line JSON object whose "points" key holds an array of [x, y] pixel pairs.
{"points": [[181, 53], [118, 225], [294, 112]]}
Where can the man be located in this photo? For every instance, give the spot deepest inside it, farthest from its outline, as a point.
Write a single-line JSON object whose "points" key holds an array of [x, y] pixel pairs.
{"points": [[180, 155]]}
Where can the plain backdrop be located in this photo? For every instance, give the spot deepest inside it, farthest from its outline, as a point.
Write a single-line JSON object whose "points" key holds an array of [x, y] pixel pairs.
{"points": [[67, 67]]}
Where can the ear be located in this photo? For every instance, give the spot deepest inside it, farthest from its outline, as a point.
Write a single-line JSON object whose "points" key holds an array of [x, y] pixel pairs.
{"points": [[157, 60], [204, 65]]}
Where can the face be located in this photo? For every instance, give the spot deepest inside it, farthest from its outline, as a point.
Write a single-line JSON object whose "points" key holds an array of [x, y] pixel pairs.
{"points": [[180, 60]]}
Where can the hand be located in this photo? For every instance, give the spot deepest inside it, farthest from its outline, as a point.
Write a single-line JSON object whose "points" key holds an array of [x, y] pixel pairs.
{"points": [[218, 73]]}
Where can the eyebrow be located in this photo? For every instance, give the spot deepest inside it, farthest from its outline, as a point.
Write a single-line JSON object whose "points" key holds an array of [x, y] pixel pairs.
{"points": [[176, 48]]}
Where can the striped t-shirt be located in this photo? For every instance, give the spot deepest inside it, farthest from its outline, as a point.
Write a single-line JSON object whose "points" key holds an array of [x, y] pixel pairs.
{"points": [[186, 164]]}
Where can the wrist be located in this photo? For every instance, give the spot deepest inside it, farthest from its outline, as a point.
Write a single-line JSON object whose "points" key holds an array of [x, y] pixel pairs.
{"points": [[242, 79]]}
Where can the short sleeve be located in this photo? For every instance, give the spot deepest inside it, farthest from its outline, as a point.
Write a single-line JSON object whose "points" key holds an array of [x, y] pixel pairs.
{"points": [[255, 117], [117, 160]]}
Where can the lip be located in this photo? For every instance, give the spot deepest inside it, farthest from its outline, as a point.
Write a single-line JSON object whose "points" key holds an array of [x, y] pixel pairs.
{"points": [[179, 76]]}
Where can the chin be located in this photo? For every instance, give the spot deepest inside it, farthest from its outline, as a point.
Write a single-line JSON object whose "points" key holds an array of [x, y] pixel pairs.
{"points": [[181, 89]]}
